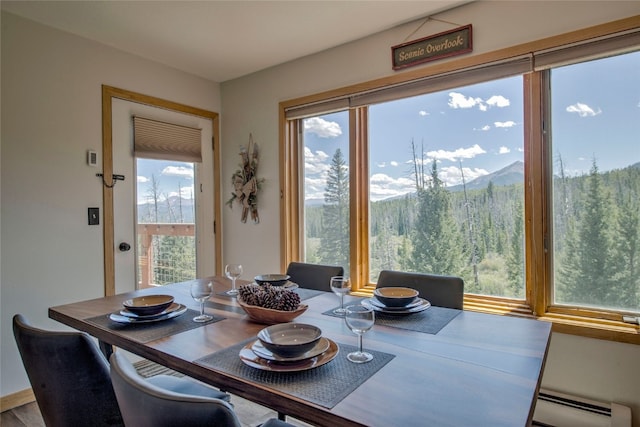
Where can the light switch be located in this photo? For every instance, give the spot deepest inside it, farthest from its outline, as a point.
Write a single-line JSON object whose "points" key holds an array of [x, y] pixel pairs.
{"points": [[94, 216]]}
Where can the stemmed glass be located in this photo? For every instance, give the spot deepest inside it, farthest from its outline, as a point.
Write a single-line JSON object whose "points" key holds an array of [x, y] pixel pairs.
{"points": [[359, 319], [201, 291], [340, 286], [233, 271]]}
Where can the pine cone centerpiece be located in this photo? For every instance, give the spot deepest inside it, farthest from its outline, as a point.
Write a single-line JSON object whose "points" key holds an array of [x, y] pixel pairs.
{"points": [[267, 296], [270, 304]]}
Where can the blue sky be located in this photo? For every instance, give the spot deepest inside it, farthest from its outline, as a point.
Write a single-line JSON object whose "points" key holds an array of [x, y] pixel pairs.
{"points": [[595, 113]]}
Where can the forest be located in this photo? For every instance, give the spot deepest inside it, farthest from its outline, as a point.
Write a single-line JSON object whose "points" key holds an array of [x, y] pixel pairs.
{"points": [[478, 234]]}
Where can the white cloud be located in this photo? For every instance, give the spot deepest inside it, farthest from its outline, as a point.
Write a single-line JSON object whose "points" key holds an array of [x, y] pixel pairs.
{"points": [[460, 153], [315, 162], [498, 101], [393, 163], [451, 175], [182, 171], [142, 179], [423, 113], [322, 128], [507, 124], [381, 165], [583, 110], [382, 186], [458, 100], [504, 150], [485, 128]]}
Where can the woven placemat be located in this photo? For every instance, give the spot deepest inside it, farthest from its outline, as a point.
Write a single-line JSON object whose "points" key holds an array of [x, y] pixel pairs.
{"points": [[146, 332], [325, 385], [308, 293], [429, 321]]}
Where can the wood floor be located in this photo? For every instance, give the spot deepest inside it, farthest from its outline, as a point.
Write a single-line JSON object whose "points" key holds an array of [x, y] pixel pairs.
{"points": [[250, 415]]}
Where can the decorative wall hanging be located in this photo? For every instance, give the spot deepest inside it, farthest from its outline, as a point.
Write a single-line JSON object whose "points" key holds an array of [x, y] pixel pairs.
{"points": [[437, 46], [246, 183]]}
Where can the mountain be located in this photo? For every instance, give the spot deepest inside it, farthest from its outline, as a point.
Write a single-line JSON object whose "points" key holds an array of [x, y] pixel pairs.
{"points": [[512, 174], [172, 210]]}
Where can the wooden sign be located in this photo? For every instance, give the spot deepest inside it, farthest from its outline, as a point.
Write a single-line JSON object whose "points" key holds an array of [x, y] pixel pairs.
{"points": [[438, 46]]}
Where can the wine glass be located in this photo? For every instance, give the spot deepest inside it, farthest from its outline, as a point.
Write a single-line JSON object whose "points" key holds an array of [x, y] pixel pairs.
{"points": [[201, 291], [233, 271], [340, 285], [359, 319]]}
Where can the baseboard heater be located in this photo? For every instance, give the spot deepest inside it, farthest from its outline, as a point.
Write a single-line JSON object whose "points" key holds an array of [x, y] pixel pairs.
{"points": [[555, 409]]}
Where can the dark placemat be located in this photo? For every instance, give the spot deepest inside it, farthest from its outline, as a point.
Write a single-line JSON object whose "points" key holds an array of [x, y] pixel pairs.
{"points": [[429, 321], [225, 307], [325, 385], [308, 293], [146, 332]]}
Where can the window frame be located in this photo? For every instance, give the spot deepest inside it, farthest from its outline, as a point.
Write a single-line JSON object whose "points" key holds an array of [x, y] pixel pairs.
{"points": [[538, 301]]}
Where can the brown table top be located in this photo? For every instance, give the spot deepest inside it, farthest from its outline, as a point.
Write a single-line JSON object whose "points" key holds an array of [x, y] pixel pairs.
{"points": [[479, 369]]}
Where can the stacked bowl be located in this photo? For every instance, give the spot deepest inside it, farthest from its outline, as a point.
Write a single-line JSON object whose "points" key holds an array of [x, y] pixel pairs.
{"points": [[289, 347], [396, 300]]}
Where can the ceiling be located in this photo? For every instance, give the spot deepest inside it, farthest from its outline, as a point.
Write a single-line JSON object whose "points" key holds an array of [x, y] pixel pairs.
{"points": [[223, 40]]}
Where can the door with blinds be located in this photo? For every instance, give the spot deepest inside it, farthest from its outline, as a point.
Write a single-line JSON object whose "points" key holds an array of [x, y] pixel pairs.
{"points": [[163, 211]]}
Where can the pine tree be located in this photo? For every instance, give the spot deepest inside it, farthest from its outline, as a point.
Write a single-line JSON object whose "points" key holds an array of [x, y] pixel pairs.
{"points": [[626, 279], [437, 244], [515, 258], [334, 243], [585, 272]]}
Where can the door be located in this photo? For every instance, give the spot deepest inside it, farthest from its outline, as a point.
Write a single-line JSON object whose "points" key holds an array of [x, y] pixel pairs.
{"points": [[125, 252]]}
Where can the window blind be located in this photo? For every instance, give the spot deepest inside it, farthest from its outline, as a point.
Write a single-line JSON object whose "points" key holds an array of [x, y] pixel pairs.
{"points": [[489, 71], [560, 55], [587, 50], [154, 139]]}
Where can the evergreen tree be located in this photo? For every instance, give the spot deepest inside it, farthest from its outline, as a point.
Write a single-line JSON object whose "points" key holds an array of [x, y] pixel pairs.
{"points": [[626, 279], [437, 245], [334, 243], [585, 272], [515, 259]]}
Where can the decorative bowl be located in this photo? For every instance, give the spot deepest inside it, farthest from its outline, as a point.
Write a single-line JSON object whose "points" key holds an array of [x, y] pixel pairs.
{"points": [[148, 305], [290, 339], [272, 279], [395, 296], [269, 316]]}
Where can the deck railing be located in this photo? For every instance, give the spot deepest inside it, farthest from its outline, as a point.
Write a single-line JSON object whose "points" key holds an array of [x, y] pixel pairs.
{"points": [[161, 262]]}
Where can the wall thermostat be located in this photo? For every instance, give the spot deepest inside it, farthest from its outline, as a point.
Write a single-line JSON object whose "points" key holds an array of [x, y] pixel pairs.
{"points": [[92, 158]]}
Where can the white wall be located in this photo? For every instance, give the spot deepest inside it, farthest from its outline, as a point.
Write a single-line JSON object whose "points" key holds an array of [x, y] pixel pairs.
{"points": [[591, 368], [51, 115]]}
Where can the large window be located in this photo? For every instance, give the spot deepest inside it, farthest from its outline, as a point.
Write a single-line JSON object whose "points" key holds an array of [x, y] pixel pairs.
{"points": [[520, 174], [446, 178], [326, 189], [595, 128]]}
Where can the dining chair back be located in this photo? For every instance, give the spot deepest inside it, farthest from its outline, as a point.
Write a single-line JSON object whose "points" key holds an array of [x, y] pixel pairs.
{"points": [[440, 291], [145, 404], [69, 376], [313, 276]]}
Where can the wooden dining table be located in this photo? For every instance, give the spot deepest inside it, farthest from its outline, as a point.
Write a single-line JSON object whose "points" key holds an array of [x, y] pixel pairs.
{"points": [[473, 369]]}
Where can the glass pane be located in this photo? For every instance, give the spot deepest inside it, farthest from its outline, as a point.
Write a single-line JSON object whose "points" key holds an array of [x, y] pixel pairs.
{"points": [[166, 239], [596, 182], [326, 189], [446, 186]]}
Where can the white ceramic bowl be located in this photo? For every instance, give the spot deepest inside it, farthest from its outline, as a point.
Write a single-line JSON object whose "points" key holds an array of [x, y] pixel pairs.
{"points": [[148, 305], [290, 339], [272, 279], [395, 296]]}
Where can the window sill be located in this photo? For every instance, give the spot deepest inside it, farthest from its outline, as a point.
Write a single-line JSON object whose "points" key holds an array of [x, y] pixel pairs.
{"points": [[606, 329]]}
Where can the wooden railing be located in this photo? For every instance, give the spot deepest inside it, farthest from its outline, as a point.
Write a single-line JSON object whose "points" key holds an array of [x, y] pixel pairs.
{"points": [[146, 232]]}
